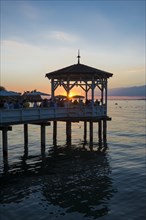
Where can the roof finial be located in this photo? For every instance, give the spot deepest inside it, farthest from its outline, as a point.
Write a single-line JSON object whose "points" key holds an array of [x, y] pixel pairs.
{"points": [[78, 57]]}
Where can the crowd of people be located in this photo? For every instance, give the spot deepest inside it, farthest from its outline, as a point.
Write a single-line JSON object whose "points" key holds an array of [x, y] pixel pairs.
{"points": [[13, 104], [17, 104]]}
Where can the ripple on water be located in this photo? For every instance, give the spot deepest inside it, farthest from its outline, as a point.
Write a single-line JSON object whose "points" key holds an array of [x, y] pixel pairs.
{"points": [[74, 183]]}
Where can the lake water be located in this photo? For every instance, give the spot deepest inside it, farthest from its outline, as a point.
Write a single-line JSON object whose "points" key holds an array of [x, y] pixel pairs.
{"points": [[70, 183]]}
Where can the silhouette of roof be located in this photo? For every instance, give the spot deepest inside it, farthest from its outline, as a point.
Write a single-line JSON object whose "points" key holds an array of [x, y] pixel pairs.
{"points": [[78, 71]]}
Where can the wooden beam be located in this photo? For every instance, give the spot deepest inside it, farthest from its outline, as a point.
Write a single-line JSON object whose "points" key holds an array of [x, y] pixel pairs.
{"points": [[46, 123]]}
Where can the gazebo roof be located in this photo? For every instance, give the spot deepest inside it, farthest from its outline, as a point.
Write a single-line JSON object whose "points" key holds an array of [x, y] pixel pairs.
{"points": [[78, 71]]}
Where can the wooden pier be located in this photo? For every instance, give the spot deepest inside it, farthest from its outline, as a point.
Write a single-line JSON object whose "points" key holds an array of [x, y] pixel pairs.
{"points": [[88, 79]]}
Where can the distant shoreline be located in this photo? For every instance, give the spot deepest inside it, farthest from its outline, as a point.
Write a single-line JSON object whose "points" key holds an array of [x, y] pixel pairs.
{"points": [[126, 98]]}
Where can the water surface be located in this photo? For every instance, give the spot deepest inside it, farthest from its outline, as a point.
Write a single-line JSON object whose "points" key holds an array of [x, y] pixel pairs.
{"points": [[69, 183]]}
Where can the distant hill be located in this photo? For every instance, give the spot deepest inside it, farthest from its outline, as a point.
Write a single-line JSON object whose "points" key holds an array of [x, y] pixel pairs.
{"points": [[128, 91]]}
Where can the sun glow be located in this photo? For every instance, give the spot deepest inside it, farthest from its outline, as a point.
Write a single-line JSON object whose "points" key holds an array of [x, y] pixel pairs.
{"points": [[71, 94]]}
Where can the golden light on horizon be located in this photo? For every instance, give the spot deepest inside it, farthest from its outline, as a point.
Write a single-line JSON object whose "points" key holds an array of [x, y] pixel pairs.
{"points": [[71, 94], [74, 91]]}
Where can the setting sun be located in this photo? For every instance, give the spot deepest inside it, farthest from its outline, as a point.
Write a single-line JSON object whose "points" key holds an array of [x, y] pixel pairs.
{"points": [[71, 94]]}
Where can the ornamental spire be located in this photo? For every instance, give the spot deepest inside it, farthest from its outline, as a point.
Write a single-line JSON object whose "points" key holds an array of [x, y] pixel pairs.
{"points": [[78, 57]]}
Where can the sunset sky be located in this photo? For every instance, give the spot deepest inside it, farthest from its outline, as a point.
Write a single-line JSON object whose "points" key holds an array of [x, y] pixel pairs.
{"points": [[41, 36]]}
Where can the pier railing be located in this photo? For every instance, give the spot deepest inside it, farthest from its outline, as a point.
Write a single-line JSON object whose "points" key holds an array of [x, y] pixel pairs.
{"points": [[32, 115]]}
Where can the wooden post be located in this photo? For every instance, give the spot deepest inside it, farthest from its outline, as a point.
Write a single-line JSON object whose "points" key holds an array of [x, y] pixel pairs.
{"points": [[5, 142], [104, 131], [43, 135], [43, 141], [91, 133], [26, 140], [25, 135], [106, 96], [92, 90], [5, 139], [102, 92], [100, 132], [54, 132], [6, 165], [52, 88], [86, 92], [68, 132], [85, 131]]}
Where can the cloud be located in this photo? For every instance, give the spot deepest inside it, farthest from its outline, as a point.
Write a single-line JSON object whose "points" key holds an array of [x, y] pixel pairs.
{"points": [[21, 58], [26, 58], [136, 70], [62, 36], [23, 62], [28, 10], [24, 65]]}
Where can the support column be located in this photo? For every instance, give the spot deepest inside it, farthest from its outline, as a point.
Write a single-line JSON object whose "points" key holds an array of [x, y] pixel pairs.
{"points": [[5, 140], [106, 96], [100, 132], [6, 164], [54, 132], [25, 135], [102, 92], [86, 92], [25, 140], [92, 90], [68, 132], [52, 88], [43, 135], [104, 131], [91, 133], [43, 142], [85, 131]]}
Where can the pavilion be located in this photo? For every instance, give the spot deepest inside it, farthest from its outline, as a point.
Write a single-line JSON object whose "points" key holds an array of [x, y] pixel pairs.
{"points": [[88, 79]]}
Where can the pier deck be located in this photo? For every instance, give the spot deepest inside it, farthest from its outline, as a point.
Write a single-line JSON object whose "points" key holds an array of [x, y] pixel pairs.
{"points": [[43, 117], [32, 115]]}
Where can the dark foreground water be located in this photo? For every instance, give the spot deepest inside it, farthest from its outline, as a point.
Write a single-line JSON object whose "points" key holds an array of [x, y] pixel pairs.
{"points": [[70, 183]]}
